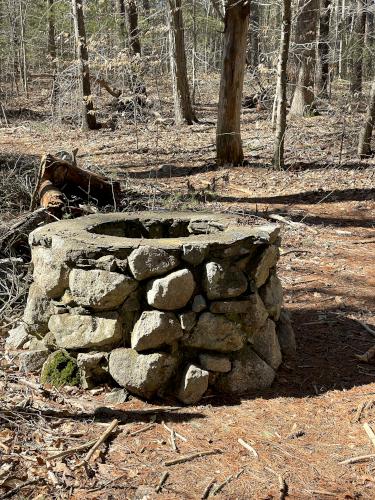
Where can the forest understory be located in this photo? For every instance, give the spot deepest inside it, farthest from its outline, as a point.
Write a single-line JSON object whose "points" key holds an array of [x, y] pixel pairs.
{"points": [[312, 418]]}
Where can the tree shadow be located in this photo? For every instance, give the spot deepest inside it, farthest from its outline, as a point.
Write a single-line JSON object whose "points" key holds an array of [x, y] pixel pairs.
{"points": [[327, 342]]}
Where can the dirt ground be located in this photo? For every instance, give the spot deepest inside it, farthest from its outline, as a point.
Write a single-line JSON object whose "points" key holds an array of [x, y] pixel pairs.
{"points": [[312, 418]]}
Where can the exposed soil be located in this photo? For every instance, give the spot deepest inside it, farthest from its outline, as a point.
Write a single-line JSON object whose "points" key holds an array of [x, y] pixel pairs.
{"points": [[313, 416]]}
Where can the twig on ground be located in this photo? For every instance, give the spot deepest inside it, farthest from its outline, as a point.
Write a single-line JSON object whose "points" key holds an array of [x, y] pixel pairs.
{"points": [[358, 413], [112, 426], [370, 433], [71, 451], [169, 429], [173, 440], [15, 490], [187, 458], [163, 478], [144, 429], [357, 460], [283, 488], [248, 447], [207, 490], [228, 480]]}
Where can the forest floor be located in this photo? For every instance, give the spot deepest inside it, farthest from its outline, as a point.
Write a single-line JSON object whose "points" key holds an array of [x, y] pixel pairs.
{"points": [[312, 418]]}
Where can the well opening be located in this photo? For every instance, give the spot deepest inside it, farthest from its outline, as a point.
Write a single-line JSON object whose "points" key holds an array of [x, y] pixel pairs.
{"points": [[158, 303]]}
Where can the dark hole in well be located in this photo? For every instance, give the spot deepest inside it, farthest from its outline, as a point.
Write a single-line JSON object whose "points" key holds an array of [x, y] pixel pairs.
{"points": [[152, 229]]}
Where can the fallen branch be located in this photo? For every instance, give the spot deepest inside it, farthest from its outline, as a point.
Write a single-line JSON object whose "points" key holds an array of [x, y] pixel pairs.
{"points": [[207, 490], [112, 426], [187, 458], [248, 447], [15, 490], [228, 480], [357, 460], [144, 429], [71, 451], [163, 478], [370, 433], [169, 429]]}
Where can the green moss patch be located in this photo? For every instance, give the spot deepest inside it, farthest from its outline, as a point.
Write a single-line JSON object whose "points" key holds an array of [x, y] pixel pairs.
{"points": [[60, 369]]}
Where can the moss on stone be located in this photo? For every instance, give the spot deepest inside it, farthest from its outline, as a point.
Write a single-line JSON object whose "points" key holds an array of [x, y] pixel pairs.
{"points": [[60, 369]]}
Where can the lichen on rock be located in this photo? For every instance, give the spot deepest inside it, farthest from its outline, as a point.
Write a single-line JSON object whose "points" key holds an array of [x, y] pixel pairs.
{"points": [[60, 369]]}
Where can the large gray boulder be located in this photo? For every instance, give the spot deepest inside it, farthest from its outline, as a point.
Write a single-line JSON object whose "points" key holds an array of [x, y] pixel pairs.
{"points": [[171, 292], [93, 368], [51, 272], [146, 262], [266, 262], [249, 373], [215, 363], [17, 338], [155, 329], [141, 374], [265, 343], [100, 290], [256, 315], [272, 296], [37, 311], [220, 282], [86, 332], [193, 385], [194, 254], [32, 361], [215, 333]]}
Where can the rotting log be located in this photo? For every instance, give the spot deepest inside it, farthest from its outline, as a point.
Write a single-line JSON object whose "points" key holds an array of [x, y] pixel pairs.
{"points": [[59, 178]]}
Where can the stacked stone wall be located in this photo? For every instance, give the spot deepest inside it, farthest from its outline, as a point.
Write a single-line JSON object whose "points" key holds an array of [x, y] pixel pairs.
{"points": [[170, 304]]}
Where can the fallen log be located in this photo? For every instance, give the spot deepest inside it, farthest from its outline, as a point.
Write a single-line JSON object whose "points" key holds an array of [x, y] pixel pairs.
{"points": [[61, 178]]}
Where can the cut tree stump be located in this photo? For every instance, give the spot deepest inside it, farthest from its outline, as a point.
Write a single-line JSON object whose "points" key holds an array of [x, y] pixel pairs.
{"points": [[59, 179]]}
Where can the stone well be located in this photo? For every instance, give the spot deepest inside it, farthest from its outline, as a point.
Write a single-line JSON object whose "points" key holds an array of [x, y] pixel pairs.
{"points": [[162, 303]]}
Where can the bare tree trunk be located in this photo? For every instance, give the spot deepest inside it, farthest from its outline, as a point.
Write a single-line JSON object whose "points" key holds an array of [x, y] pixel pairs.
{"points": [[23, 51], [134, 42], [88, 113], [281, 88], [122, 27], [253, 53], [228, 136], [181, 92], [306, 32], [364, 146], [358, 39], [146, 7], [51, 33], [323, 48]]}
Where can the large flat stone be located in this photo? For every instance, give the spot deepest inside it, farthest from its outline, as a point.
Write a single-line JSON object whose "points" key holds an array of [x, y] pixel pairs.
{"points": [[146, 262], [219, 282], [194, 384], [141, 374], [215, 333], [171, 292], [155, 329], [17, 338], [249, 373], [215, 363], [51, 272], [37, 311], [100, 290], [272, 295], [86, 332], [265, 343]]}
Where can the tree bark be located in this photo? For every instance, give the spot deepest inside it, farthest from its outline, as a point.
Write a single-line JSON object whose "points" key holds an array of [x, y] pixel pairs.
{"points": [[306, 32], [253, 52], [134, 42], [358, 40], [122, 27], [323, 48], [51, 34], [88, 113], [281, 87], [364, 146], [228, 136], [183, 109]]}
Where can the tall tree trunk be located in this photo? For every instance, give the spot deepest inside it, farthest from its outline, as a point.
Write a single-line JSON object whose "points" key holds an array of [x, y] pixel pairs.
{"points": [[146, 7], [323, 48], [358, 40], [51, 33], [306, 32], [181, 93], [364, 146], [253, 53], [134, 42], [122, 27], [228, 136], [88, 113], [281, 87]]}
